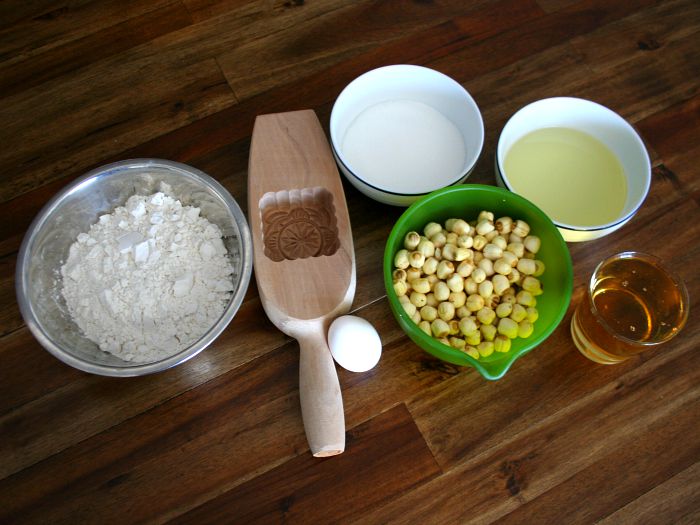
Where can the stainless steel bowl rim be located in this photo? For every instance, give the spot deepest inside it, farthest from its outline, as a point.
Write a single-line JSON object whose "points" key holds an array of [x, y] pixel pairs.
{"points": [[30, 318]]}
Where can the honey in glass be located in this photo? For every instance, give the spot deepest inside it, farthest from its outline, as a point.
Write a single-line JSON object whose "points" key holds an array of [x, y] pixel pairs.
{"points": [[632, 304]]}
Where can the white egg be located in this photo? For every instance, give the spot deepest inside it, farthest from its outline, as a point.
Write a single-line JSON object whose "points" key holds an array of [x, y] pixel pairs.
{"points": [[354, 343]]}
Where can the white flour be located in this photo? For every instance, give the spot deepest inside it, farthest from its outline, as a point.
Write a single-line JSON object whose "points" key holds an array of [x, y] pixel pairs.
{"points": [[148, 279]]}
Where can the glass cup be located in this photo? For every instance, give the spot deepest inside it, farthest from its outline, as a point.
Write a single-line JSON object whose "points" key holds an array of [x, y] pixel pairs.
{"points": [[632, 304]]}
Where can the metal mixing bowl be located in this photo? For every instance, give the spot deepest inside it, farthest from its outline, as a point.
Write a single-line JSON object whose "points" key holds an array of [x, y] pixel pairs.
{"points": [[73, 210]]}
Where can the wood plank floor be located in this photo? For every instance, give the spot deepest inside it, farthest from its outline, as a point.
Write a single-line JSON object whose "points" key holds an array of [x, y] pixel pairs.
{"points": [[220, 437]]}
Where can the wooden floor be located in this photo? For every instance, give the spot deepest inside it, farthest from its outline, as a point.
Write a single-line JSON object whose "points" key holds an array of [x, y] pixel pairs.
{"points": [[220, 438]]}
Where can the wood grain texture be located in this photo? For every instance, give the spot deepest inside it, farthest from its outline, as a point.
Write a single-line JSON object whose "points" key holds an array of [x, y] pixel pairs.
{"points": [[30, 29], [304, 257], [675, 497], [66, 58], [220, 437], [305, 262], [389, 446], [317, 44], [503, 472]]}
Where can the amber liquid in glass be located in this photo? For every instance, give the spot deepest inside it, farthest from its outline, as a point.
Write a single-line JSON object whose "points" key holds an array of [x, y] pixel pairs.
{"points": [[633, 305]]}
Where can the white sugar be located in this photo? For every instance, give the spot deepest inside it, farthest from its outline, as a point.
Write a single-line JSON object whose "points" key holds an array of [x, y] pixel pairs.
{"points": [[404, 146]]}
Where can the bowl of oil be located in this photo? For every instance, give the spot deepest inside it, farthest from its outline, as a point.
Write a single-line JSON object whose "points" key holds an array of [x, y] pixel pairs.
{"points": [[583, 164], [402, 131]]}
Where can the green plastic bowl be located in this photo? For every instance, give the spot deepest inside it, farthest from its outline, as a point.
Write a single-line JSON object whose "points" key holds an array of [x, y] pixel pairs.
{"points": [[466, 201]]}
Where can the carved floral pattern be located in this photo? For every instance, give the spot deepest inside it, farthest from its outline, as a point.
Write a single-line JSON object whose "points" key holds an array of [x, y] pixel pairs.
{"points": [[300, 230]]}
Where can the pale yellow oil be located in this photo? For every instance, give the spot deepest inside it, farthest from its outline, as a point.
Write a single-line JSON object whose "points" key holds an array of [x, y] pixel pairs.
{"points": [[573, 177]]}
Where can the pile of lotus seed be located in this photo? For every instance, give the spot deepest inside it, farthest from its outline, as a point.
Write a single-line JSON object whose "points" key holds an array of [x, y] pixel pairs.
{"points": [[471, 285]]}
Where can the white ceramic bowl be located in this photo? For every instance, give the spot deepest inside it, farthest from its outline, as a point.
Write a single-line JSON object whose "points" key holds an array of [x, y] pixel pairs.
{"points": [[415, 84], [600, 122]]}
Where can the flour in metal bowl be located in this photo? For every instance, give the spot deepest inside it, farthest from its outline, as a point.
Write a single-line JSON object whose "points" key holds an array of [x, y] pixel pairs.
{"points": [[149, 279]]}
